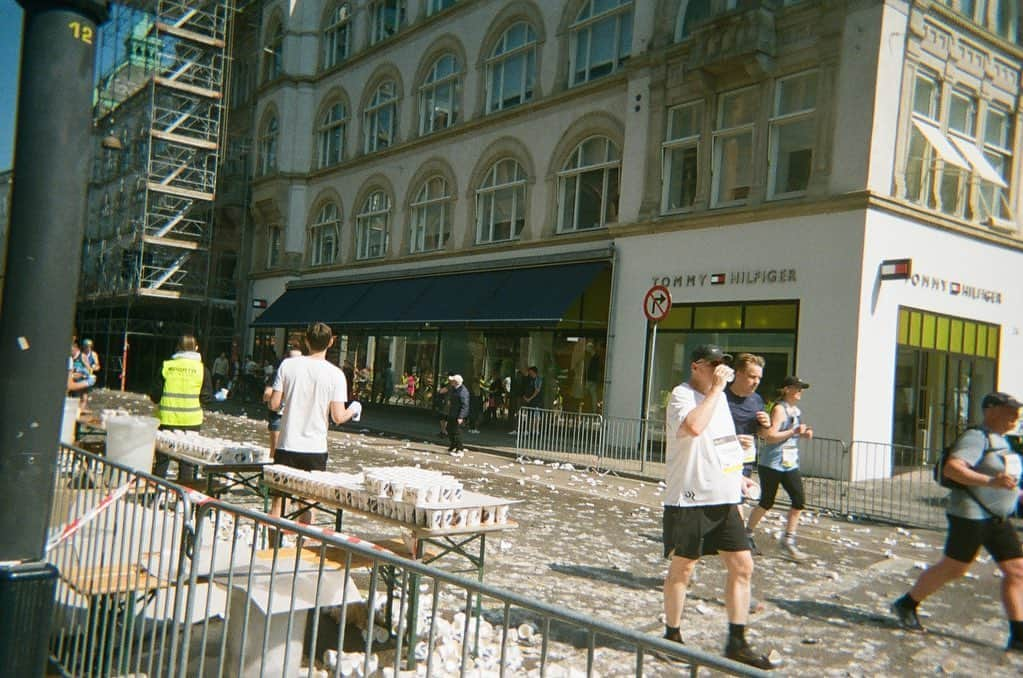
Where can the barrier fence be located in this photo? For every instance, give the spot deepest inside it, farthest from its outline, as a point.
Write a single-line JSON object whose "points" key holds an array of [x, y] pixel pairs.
{"points": [[118, 540], [162, 582], [877, 481]]}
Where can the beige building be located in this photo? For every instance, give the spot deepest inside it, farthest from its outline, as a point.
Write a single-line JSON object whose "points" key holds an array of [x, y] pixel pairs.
{"points": [[480, 186]]}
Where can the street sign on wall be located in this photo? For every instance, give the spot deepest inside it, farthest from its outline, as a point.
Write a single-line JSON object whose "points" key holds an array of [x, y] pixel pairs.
{"points": [[657, 303]]}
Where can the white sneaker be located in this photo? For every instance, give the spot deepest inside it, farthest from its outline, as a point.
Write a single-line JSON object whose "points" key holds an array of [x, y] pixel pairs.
{"points": [[513, 433], [791, 551]]}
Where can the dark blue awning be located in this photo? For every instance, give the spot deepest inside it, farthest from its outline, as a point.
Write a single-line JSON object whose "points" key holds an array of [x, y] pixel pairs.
{"points": [[536, 296]]}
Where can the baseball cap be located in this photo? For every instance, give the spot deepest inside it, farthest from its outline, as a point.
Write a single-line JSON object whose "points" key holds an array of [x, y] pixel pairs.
{"points": [[86, 342], [999, 399], [711, 353], [455, 379], [794, 381]]}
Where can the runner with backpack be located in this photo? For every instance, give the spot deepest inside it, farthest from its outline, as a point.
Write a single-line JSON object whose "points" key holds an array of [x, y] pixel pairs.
{"points": [[983, 473]]}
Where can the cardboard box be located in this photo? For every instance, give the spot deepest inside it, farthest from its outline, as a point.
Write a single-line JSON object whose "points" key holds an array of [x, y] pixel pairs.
{"points": [[270, 599]]}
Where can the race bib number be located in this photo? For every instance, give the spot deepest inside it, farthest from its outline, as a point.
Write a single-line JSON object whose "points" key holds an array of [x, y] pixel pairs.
{"points": [[790, 457], [729, 452], [1013, 466], [749, 448]]}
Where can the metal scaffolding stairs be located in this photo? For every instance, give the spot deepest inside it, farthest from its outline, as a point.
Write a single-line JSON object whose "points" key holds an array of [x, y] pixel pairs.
{"points": [[156, 241]]}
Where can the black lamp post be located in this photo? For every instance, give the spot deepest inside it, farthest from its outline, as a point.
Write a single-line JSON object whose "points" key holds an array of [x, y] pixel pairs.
{"points": [[51, 169]]}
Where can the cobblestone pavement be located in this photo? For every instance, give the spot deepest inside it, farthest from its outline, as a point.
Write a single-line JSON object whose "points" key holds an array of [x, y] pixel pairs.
{"points": [[592, 544]]}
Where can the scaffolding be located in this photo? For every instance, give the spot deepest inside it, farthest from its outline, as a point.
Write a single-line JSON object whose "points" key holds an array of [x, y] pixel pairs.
{"points": [[158, 114]]}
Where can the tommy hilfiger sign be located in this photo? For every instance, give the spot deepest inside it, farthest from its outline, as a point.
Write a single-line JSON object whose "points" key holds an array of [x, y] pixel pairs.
{"points": [[954, 288], [763, 277]]}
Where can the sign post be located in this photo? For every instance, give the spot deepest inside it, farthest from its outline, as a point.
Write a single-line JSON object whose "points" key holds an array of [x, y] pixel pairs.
{"points": [[656, 307]]}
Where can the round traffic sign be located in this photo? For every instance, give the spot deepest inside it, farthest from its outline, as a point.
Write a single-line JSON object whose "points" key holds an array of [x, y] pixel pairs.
{"points": [[657, 303]]}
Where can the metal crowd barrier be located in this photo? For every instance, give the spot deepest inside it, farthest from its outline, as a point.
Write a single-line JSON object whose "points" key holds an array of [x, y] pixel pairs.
{"points": [[876, 481], [897, 485], [158, 581], [118, 539]]}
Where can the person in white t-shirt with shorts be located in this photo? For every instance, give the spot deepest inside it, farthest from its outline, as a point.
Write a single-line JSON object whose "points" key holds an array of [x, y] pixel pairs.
{"points": [[703, 489], [315, 391]]}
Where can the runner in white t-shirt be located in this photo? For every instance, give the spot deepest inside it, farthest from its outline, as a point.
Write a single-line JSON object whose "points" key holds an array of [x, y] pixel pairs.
{"points": [[315, 392], [703, 488]]}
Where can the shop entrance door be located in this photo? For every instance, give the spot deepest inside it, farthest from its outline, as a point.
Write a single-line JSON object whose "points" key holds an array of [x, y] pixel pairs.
{"points": [[937, 395]]}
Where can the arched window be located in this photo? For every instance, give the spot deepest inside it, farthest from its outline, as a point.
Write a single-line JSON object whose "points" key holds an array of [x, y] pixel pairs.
{"points": [[431, 216], [330, 135], [501, 202], [268, 147], [440, 94], [381, 117], [601, 39], [371, 226], [386, 18], [337, 35], [588, 186], [692, 13], [511, 68], [273, 50], [325, 236]]}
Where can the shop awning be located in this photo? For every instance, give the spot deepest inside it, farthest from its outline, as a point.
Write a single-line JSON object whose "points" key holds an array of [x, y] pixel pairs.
{"points": [[536, 296]]}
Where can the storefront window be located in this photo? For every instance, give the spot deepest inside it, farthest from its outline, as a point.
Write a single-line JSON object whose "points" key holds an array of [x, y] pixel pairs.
{"points": [[943, 368], [766, 329]]}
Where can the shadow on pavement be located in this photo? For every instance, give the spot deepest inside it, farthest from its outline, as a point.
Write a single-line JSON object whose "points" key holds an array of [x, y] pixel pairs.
{"points": [[842, 615], [609, 575]]}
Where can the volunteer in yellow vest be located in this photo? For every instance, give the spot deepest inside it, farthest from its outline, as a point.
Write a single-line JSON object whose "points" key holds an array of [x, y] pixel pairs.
{"points": [[186, 385]]}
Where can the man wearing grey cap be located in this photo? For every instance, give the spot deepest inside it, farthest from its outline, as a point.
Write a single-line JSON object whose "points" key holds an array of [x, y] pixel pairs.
{"points": [[704, 485], [987, 473]]}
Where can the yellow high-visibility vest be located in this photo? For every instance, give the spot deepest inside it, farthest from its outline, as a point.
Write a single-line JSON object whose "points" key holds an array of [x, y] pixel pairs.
{"points": [[182, 383]]}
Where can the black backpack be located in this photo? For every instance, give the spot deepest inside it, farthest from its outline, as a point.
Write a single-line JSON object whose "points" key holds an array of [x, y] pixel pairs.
{"points": [[939, 473], [939, 466]]}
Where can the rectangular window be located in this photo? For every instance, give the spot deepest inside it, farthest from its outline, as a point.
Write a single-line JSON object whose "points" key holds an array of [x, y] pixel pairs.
{"points": [[434, 6], [962, 113], [680, 157], [733, 147], [993, 197], [273, 246], [767, 329], [793, 132], [387, 16]]}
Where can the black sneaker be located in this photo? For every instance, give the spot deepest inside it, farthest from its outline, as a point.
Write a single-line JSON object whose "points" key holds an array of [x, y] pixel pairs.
{"points": [[675, 637], [906, 616], [1015, 645], [745, 654]]}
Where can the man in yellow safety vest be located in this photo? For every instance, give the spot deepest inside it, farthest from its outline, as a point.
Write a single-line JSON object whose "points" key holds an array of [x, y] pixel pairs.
{"points": [[186, 385]]}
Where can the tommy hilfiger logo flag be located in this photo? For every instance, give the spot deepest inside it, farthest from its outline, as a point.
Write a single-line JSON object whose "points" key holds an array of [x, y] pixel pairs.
{"points": [[717, 278], [896, 269], [954, 288]]}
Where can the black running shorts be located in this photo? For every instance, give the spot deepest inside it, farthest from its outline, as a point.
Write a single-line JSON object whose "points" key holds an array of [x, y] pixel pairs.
{"points": [[966, 536], [303, 461], [694, 531], [792, 481]]}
